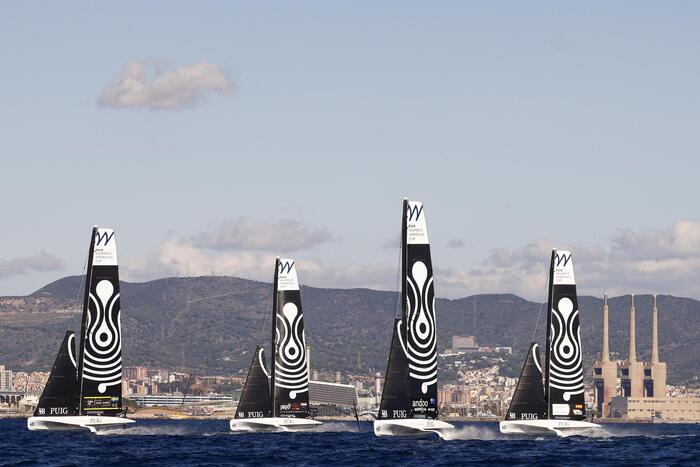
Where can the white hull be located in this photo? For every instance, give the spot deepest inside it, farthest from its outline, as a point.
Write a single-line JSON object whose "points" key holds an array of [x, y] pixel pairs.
{"points": [[91, 422], [412, 427], [271, 424], [561, 428]]}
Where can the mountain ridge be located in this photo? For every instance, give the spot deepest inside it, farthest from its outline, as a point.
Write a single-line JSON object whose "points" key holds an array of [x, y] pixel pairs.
{"points": [[211, 323]]}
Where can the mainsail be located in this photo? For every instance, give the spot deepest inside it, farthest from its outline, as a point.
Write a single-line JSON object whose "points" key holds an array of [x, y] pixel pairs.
{"points": [[290, 376], [396, 399], [419, 312], [415, 331], [100, 366], [564, 365], [528, 399], [256, 401], [61, 393]]}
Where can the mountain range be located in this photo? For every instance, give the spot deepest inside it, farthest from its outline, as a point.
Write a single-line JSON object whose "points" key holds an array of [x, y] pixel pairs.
{"points": [[211, 324]]}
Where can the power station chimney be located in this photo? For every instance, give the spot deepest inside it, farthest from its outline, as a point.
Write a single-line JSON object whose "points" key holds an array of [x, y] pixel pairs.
{"points": [[605, 356], [654, 333], [633, 334]]}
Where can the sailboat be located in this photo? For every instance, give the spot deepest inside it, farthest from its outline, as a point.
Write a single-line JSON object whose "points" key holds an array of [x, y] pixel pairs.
{"points": [[409, 405], [88, 393], [279, 401], [558, 406]]}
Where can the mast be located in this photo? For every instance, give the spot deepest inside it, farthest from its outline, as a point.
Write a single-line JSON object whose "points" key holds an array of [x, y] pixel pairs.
{"points": [[548, 346], [273, 342], [395, 400], [404, 266], [83, 322]]}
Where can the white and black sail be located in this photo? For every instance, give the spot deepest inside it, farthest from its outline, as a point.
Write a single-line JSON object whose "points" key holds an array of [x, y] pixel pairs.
{"points": [[416, 330], [100, 365], [256, 398], [61, 393], [528, 401], [564, 356], [419, 313], [290, 376]]}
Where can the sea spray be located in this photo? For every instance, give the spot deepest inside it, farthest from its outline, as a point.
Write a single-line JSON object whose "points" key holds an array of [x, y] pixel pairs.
{"points": [[338, 426], [478, 431], [154, 430]]}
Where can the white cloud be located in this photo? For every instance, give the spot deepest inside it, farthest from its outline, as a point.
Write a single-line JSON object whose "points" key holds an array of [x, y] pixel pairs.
{"points": [[41, 262], [176, 257], [680, 241], [147, 84], [248, 234], [652, 261], [455, 243], [659, 261]]}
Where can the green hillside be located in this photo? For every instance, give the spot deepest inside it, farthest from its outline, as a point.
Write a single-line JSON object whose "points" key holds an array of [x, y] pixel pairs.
{"points": [[211, 324]]}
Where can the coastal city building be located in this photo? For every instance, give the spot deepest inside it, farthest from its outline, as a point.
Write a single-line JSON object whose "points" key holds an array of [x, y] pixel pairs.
{"points": [[464, 344], [5, 379], [673, 409]]}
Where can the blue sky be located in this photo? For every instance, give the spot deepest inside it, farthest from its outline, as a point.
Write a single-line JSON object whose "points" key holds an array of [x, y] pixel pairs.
{"points": [[520, 126]]}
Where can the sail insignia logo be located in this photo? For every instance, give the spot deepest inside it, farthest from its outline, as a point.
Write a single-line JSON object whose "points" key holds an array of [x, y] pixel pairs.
{"points": [[561, 260], [414, 212], [104, 236], [286, 267]]}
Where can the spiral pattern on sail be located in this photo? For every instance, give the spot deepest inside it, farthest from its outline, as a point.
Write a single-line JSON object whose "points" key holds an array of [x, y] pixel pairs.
{"points": [[290, 362], [565, 365], [102, 360], [421, 342]]}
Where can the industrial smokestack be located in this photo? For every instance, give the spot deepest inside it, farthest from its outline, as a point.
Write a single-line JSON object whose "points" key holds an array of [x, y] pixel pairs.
{"points": [[606, 346], [633, 333], [654, 333]]}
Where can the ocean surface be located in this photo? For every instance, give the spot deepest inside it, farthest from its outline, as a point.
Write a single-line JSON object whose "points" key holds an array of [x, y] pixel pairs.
{"points": [[208, 442]]}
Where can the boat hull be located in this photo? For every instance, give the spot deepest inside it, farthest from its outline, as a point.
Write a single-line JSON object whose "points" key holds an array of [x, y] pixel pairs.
{"points": [[95, 424], [560, 428], [420, 427], [271, 424]]}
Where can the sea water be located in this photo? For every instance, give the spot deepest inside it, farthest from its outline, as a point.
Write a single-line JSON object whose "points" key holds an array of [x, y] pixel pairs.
{"points": [[209, 442]]}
